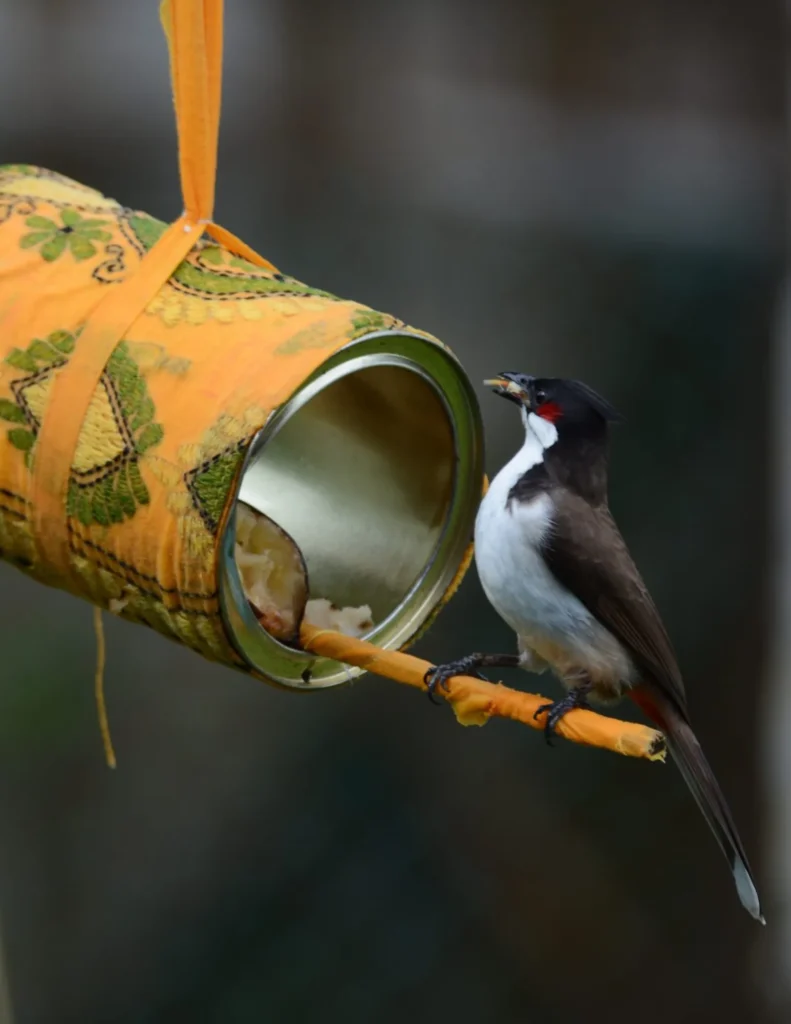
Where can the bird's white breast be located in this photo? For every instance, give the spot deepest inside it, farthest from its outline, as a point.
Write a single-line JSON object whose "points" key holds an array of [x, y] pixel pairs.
{"points": [[520, 587], [508, 538]]}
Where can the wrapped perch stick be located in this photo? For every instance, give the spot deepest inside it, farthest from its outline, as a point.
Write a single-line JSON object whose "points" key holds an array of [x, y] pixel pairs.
{"points": [[474, 701], [276, 583]]}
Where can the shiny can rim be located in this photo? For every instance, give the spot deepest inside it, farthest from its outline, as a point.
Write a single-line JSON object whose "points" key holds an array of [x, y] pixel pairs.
{"points": [[284, 666]]}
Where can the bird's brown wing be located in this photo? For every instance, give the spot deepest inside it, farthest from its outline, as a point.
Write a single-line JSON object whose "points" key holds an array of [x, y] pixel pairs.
{"points": [[587, 554]]}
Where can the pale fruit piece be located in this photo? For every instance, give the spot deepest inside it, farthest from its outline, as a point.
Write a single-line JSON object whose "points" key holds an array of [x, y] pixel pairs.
{"points": [[273, 572], [275, 582], [324, 614]]}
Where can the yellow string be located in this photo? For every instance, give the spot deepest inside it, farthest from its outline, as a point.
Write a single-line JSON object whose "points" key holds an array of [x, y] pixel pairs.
{"points": [[101, 707]]}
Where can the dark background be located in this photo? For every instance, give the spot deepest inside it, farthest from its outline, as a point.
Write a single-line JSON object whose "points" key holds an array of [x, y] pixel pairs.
{"points": [[556, 186]]}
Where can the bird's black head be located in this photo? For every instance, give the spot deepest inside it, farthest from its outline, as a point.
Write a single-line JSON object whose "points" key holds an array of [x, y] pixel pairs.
{"points": [[569, 404]]}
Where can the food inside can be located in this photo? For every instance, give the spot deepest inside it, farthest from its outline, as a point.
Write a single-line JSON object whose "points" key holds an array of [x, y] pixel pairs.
{"points": [[275, 582]]}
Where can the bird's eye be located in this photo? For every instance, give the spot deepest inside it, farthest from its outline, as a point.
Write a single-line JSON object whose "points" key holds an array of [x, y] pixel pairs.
{"points": [[541, 396]]}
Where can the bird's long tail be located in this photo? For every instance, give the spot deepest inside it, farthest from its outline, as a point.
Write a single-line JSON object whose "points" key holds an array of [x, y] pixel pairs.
{"points": [[696, 771]]}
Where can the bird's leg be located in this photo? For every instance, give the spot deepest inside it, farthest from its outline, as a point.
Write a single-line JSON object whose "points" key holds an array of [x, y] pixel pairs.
{"points": [[577, 697], [469, 665]]}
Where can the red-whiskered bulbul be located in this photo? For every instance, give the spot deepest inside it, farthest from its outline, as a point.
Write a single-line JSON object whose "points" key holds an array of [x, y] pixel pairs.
{"points": [[555, 567]]}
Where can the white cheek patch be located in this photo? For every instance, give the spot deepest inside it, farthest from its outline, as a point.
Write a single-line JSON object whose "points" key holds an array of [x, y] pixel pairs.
{"points": [[546, 432]]}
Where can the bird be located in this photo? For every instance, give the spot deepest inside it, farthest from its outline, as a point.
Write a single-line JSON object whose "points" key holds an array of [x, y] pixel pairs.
{"points": [[555, 567]]}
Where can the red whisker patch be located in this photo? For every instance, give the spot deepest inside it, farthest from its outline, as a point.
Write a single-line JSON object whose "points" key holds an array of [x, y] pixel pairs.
{"points": [[550, 411]]}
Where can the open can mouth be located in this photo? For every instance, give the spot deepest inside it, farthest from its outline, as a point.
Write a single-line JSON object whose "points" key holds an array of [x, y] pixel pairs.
{"points": [[375, 468]]}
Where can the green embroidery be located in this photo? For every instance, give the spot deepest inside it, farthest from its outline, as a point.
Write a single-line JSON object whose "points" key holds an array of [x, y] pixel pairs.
{"points": [[11, 412], [198, 279], [213, 254], [316, 335], [21, 360], [148, 230], [106, 485], [150, 436], [40, 355], [365, 320], [77, 233], [210, 483], [21, 439], [219, 257], [24, 170], [319, 334]]}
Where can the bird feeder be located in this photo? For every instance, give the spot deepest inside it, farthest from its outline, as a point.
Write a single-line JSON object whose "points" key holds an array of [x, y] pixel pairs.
{"points": [[156, 378]]}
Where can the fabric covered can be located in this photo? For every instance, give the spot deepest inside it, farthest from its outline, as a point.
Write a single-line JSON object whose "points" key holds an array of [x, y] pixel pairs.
{"points": [[226, 361]]}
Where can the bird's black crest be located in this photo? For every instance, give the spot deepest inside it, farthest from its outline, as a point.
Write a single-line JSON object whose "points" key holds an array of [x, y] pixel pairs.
{"points": [[595, 400]]}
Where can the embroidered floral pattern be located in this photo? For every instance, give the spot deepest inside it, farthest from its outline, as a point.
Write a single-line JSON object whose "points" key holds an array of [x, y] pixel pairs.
{"points": [[76, 233]]}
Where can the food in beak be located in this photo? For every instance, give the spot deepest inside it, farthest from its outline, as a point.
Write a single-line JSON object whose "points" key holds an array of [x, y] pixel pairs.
{"points": [[507, 388]]}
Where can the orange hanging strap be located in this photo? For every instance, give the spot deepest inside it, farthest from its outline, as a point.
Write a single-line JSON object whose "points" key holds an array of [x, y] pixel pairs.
{"points": [[237, 246], [193, 29], [194, 34]]}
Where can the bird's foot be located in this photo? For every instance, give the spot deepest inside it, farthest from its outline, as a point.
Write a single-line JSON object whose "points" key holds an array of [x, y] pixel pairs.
{"points": [[439, 675], [575, 698]]}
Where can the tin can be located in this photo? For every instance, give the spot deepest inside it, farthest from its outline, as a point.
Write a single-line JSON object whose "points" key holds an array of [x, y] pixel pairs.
{"points": [[375, 467]]}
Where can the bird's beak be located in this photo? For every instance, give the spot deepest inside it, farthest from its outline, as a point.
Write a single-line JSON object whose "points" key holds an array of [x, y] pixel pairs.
{"points": [[505, 386]]}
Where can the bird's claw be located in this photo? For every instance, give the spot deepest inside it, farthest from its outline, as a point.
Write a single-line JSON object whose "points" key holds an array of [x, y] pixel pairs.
{"points": [[440, 675], [434, 678], [577, 698]]}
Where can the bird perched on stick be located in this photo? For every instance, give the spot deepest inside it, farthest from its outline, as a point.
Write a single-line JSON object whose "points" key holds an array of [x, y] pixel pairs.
{"points": [[555, 567]]}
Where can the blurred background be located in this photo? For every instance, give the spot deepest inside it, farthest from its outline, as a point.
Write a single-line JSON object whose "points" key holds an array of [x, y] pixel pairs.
{"points": [[564, 188]]}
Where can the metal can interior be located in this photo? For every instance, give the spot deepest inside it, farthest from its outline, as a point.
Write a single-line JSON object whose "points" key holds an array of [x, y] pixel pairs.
{"points": [[375, 468]]}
